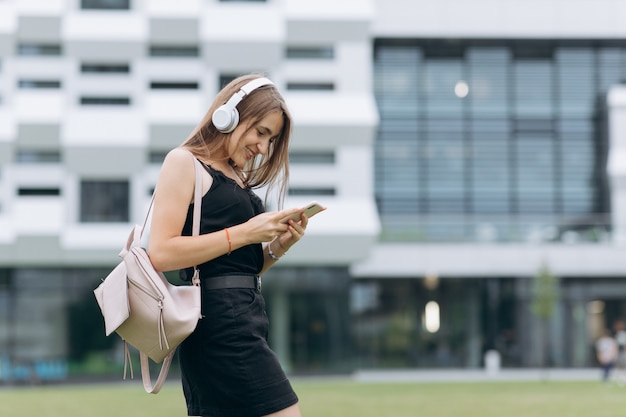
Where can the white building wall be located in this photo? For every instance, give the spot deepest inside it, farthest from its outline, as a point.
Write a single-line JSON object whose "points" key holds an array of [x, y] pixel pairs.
{"points": [[547, 19], [114, 142], [616, 165]]}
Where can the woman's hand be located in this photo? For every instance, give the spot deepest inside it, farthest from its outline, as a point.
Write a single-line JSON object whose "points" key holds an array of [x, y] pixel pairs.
{"points": [[289, 231], [294, 232], [265, 227]]}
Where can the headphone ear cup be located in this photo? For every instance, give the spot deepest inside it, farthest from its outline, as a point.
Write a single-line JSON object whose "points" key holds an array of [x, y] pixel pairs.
{"points": [[225, 119], [234, 122]]}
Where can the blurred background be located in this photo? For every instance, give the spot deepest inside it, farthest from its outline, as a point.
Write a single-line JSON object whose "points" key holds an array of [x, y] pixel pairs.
{"points": [[472, 156]]}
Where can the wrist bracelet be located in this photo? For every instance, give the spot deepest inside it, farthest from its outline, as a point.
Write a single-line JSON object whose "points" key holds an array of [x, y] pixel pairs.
{"points": [[230, 244], [270, 253]]}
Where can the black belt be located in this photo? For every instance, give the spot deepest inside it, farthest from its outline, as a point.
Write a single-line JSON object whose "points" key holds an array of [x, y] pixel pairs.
{"points": [[231, 281]]}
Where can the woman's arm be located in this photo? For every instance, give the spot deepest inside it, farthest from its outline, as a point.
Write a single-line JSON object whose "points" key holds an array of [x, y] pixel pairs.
{"points": [[168, 250]]}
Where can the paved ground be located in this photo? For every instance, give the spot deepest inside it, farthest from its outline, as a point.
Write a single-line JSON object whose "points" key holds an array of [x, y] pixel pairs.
{"points": [[474, 375], [408, 375]]}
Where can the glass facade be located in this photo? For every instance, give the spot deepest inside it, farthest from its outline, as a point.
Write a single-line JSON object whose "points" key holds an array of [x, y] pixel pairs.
{"points": [[489, 141], [498, 141], [49, 322], [310, 326]]}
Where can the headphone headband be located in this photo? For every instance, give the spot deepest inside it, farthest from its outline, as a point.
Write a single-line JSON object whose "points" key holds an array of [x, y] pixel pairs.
{"points": [[226, 117], [256, 83]]}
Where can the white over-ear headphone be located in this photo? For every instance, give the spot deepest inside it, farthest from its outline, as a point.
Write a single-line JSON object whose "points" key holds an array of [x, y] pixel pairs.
{"points": [[226, 117]]}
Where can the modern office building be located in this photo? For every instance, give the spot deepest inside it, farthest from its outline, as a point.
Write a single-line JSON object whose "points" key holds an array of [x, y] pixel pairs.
{"points": [[469, 154]]}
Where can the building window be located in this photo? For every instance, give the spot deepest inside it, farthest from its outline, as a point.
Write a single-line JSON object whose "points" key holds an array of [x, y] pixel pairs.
{"points": [[105, 4], [95, 68], [37, 156], [226, 78], [310, 52], [39, 84], [310, 158], [104, 201], [172, 85], [157, 157], [168, 51], [312, 191], [39, 192], [310, 86], [105, 101], [37, 49], [243, 1]]}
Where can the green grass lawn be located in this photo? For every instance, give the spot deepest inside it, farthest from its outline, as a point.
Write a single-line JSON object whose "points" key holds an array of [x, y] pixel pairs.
{"points": [[334, 398]]}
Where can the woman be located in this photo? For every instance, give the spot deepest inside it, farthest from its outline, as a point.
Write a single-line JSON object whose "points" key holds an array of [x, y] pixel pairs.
{"points": [[227, 366]]}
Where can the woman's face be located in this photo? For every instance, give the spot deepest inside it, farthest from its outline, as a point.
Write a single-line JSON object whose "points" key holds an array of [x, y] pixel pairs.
{"points": [[245, 143]]}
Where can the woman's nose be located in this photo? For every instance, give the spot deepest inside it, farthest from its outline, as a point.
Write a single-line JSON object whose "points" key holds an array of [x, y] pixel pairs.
{"points": [[262, 147]]}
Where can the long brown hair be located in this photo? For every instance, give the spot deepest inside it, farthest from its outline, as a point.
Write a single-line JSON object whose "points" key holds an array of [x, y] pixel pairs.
{"points": [[270, 170]]}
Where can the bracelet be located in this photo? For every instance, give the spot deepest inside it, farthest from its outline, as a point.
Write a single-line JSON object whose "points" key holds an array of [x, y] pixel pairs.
{"points": [[230, 244], [270, 253]]}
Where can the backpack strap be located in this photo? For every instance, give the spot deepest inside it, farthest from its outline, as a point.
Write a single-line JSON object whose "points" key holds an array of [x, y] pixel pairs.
{"points": [[167, 361]]}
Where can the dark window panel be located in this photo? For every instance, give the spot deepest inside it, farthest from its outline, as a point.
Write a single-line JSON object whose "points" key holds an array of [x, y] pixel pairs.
{"points": [[96, 68], [168, 51], [104, 201], [442, 78], [306, 86], [575, 82], [157, 157], [105, 4], [397, 81], [173, 85], [38, 192], [105, 101], [224, 79], [39, 84], [533, 88], [322, 158], [319, 191], [310, 52], [36, 49], [37, 156]]}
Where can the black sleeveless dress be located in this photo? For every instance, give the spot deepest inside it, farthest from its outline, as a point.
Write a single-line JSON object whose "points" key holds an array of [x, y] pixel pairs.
{"points": [[228, 369]]}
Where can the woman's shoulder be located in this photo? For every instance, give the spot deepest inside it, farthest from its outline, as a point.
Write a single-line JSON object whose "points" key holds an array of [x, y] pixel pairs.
{"points": [[179, 159], [178, 155], [178, 163]]}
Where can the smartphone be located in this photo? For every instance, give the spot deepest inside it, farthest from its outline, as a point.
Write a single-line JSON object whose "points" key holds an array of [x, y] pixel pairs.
{"points": [[310, 210]]}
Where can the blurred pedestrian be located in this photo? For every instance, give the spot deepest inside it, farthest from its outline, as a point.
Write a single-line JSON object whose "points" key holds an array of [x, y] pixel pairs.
{"points": [[619, 327], [606, 352]]}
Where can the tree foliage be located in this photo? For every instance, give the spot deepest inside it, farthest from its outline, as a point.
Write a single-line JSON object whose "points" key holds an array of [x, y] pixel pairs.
{"points": [[545, 293]]}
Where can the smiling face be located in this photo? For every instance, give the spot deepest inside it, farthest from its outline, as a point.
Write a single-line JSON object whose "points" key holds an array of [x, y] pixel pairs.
{"points": [[264, 116], [247, 141]]}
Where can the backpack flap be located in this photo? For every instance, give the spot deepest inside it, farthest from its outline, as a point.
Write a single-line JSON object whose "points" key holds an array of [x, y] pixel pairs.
{"points": [[112, 297]]}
